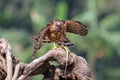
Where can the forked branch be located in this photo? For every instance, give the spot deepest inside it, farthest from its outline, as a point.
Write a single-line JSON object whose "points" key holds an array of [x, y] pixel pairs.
{"points": [[77, 68]]}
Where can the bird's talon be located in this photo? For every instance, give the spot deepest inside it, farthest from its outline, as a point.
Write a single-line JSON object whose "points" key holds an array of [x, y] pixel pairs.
{"points": [[54, 46]]}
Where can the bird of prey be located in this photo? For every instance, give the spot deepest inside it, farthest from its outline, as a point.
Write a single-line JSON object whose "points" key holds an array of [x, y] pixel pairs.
{"points": [[55, 32]]}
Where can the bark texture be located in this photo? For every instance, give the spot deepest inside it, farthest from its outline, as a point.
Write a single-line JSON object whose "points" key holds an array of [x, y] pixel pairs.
{"points": [[13, 69]]}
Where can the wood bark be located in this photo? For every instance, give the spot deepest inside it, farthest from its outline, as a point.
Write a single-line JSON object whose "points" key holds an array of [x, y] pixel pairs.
{"points": [[13, 69]]}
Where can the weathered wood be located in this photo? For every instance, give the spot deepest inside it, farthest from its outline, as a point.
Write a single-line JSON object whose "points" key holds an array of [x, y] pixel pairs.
{"points": [[77, 67]]}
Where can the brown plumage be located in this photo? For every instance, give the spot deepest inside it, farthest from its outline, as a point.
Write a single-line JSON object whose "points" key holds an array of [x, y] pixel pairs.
{"points": [[55, 32]]}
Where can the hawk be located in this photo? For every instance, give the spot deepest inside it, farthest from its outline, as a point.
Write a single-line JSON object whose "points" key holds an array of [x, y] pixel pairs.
{"points": [[55, 32]]}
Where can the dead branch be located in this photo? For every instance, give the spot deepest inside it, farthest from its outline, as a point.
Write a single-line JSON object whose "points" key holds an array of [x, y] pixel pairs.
{"points": [[77, 68]]}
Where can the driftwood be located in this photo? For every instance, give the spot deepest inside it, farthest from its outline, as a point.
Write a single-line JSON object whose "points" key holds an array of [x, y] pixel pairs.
{"points": [[12, 69]]}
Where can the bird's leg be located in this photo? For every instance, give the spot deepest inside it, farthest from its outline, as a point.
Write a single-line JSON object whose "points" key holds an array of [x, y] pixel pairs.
{"points": [[67, 51], [54, 46]]}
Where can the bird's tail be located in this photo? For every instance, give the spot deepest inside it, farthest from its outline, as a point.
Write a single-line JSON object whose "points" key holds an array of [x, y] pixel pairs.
{"points": [[66, 42]]}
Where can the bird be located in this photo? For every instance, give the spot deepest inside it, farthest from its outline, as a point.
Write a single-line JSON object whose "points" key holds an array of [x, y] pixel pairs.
{"points": [[55, 32]]}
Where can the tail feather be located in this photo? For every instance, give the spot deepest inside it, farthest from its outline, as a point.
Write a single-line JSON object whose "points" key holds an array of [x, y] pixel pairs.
{"points": [[66, 42]]}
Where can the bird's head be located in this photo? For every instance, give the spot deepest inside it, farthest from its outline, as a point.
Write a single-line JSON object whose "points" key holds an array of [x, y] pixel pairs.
{"points": [[57, 25]]}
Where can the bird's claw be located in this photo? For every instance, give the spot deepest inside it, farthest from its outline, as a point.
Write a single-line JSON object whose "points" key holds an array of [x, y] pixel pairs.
{"points": [[54, 46]]}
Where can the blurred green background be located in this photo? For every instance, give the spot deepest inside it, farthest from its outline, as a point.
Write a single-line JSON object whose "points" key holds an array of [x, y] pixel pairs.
{"points": [[20, 20]]}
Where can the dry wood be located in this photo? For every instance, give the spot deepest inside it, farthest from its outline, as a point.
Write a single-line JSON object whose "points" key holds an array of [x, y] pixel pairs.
{"points": [[77, 68]]}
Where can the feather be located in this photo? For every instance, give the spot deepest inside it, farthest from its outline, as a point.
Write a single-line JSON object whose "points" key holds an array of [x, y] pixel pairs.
{"points": [[76, 27], [38, 39]]}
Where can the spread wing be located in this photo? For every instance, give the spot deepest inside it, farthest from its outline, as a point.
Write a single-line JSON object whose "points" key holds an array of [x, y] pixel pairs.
{"points": [[76, 27], [38, 39]]}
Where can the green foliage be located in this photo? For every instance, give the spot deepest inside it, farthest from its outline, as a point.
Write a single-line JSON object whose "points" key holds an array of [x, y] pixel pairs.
{"points": [[20, 20], [61, 10]]}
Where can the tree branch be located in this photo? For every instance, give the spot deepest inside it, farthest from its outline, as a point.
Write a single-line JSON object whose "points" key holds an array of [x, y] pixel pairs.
{"points": [[77, 68]]}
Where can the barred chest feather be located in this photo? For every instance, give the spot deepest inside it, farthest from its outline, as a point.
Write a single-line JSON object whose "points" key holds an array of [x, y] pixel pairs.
{"points": [[54, 36]]}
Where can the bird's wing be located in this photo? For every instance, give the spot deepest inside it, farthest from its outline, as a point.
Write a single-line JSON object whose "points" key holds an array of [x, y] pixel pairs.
{"points": [[76, 27], [46, 40], [38, 39]]}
